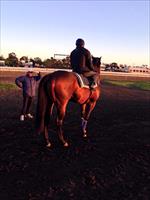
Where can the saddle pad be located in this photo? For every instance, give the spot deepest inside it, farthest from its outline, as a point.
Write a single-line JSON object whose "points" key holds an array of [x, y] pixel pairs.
{"points": [[83, 81]]}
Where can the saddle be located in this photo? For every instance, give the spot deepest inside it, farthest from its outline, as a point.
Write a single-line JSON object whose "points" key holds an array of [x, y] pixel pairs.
{"points": [[83, 81]]}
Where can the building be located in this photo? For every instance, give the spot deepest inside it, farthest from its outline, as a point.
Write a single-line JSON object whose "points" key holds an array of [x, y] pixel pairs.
{"points": [[136, 69], [2, 62]]}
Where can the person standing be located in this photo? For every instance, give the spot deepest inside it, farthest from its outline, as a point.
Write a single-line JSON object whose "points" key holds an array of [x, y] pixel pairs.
{"points": [[28, 85]]}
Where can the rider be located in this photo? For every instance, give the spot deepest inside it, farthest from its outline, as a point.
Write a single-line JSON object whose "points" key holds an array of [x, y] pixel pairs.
{"points": [[81, 62]]}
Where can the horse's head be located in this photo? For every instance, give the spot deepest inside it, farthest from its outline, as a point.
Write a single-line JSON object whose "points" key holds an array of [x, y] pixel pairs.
{"points": [[96, 63]]}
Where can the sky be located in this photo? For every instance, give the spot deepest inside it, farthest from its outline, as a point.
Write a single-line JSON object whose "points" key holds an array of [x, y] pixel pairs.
{"points": [[116, 30]]}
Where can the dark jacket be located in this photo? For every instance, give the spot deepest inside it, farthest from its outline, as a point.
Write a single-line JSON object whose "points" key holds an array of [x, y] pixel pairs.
{"points": [[81, 60], [28, 84]]}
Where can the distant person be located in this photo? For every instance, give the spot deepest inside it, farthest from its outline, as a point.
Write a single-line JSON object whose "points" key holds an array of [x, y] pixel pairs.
{"points": [[81, 62], [28, 85]]}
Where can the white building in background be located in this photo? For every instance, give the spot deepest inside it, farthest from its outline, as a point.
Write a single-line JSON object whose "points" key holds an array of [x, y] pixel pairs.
{"points": [[103, 67], [22, 62], [136, 69], [2, 62], [26, 64]]}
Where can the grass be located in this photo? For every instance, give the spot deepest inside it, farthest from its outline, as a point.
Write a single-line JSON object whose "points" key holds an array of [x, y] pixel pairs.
{"points": [[141, 85], [7, 86]]}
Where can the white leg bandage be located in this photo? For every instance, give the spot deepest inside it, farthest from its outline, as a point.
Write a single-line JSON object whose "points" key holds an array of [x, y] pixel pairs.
{"points": [[84, 125]]}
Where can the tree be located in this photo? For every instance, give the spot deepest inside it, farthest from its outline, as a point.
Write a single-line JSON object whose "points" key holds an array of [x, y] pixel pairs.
{"points": [[38, 61], [114, 66], [66, 62], [52, 63], [47, 63], [2, 58], [23, 61], [12, 60], [2, 61], [107, 67], [24, 58]]}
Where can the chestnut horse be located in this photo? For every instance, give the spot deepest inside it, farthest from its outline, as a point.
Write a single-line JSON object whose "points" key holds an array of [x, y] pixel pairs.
{"points": [[58, 88]]}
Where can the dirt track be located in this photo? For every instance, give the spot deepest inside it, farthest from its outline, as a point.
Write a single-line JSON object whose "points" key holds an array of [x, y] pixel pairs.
{"points": [[113, 163]]}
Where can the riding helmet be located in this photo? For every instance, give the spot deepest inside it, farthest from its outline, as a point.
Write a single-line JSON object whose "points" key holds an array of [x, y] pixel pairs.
{"points": [[80, 42]]}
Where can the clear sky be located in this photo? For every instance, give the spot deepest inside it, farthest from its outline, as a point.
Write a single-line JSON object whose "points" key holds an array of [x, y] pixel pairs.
{"points": [[116, 30]]}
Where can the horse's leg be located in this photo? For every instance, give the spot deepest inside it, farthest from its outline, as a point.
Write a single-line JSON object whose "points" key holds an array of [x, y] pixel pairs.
{"points": [[61, 109], [83, 106], [84, 122], [47, 119], [48, 144], [87, 111], [51, 108]]}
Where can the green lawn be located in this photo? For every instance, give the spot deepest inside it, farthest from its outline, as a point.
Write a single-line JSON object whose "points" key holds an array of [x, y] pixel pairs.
{"points": [[142, 85], [129, 84], [6, 86]]}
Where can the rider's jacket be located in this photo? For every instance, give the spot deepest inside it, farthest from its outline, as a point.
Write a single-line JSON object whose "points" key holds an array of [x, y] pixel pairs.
{"points": [[81, 60]]}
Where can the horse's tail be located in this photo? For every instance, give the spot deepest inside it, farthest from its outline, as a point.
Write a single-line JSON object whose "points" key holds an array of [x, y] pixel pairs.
{"points": [[41, 107], [46, 97]]}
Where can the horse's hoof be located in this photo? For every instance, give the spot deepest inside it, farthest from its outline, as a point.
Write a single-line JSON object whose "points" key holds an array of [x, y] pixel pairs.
{"points": [[84, 131], [85, 135], [66, 144], [48, 145]]}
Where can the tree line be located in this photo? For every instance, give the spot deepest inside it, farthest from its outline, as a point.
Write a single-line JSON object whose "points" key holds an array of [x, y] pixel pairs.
{"points": [[13, 61]]}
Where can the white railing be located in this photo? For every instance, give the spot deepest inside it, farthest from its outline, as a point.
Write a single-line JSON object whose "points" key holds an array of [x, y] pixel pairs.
{"points": [[129, 74], [25, 69], [50, 70]]}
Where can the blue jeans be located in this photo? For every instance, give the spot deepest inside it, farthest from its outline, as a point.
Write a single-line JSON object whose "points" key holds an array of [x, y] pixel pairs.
{"points": [[27, 100]]}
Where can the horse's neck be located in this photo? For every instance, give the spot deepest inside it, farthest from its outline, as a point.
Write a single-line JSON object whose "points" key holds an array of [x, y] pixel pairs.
{"points": [[97, 69]]}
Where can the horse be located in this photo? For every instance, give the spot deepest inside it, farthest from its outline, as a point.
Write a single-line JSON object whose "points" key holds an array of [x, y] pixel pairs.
{"points": [[58, 88]]}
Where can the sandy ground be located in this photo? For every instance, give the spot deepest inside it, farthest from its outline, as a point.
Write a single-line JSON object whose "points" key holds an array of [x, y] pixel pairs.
{"points": [[113, 163]]}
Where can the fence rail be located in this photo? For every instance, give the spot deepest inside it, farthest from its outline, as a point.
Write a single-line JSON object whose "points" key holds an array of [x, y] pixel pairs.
{"points": [[50, 70], [25, 69]]}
